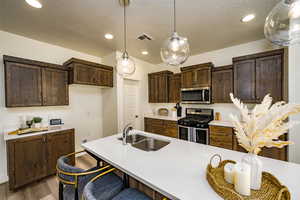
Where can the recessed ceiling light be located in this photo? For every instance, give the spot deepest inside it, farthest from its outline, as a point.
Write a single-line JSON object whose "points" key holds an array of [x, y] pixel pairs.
{"points": [[34, 3], [248, 18], [145, 52], [109, 36]]}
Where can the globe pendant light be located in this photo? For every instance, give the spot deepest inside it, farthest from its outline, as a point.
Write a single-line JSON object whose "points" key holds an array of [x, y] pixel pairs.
{"points": [[175, 50], [282, 26], [125, 65]]}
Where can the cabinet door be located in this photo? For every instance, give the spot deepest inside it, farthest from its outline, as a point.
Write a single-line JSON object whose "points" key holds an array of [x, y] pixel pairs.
{"points": [[244, 80], [222, 86], [105, 78], [55, 87], [221, 137], [147, 125], [175, 88], [27, 160], [170, 129], [154, 126], [269, 77], [152, 85], [59, 144], [187, 79], [23, 85], [85, 75], [202, 78], [163, 89]]}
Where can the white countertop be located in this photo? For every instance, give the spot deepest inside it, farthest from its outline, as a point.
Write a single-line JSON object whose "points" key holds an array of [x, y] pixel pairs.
{"points": [[221, 123], [162, 117], [178, 170], [51, 129]]}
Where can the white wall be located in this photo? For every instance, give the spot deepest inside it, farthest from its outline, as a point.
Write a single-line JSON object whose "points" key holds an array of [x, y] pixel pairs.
{"points": [[141, 75], [294, 97], [85, 110], [224, 56], [219, 58], [110, 104]]}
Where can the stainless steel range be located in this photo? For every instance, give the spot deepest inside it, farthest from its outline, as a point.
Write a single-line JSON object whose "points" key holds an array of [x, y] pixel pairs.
{"points": [[194, 127]]}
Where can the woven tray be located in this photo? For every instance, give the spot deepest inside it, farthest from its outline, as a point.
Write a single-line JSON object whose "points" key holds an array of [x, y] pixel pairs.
{"points": [[271, 188]]}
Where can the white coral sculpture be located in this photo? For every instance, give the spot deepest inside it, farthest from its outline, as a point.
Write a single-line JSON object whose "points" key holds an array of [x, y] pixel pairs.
{"points": [[262, 126]]}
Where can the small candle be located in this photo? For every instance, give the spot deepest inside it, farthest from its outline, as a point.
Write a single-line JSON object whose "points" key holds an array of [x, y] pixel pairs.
{"points": [[229, 172], [242, 179]]}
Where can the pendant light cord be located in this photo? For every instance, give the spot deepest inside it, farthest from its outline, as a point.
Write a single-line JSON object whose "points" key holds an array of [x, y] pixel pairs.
{"points": [[174, 15], [125, 30]]}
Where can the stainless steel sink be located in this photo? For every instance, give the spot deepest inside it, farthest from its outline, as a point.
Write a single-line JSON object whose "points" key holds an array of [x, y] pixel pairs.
{"points": [[151, 144], [132, 139]]}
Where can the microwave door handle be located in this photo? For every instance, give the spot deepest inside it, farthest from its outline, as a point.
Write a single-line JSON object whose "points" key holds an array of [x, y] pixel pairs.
{"points": [[203, 95]]}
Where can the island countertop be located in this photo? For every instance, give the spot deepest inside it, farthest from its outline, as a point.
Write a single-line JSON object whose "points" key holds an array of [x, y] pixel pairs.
{"points": [[178, 170]]}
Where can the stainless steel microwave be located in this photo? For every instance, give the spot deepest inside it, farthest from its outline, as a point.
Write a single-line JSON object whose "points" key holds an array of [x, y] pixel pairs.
{"points": [[196, 95]]}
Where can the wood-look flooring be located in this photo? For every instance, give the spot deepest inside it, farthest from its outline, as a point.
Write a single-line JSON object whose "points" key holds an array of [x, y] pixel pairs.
{"points": [[45, 189]]}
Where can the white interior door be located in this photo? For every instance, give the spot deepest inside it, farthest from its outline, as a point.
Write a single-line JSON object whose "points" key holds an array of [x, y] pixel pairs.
{"points": [[131, 112]]}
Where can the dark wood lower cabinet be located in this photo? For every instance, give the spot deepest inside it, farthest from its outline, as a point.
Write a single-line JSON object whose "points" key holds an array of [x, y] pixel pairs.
{"points": [[27, 160], [224, 137], [32, 158], [161, 127], [59, 144], [221, 137]]}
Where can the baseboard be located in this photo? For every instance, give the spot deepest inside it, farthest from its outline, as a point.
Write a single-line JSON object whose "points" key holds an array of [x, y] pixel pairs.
{"points": [[3, 179]]}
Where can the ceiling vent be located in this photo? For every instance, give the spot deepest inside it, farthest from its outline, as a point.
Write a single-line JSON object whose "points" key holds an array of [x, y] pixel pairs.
{"points": [[144, 36]]}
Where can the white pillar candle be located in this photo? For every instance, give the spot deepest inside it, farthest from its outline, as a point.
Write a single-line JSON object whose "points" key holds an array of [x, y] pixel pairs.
{"points": [[242, 179], [229, 172]]}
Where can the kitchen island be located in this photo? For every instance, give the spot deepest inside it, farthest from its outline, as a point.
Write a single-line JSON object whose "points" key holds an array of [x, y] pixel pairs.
{"points": [[178, 170]]}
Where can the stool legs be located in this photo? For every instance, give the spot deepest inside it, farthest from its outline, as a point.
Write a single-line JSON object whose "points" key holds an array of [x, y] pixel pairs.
{"points": [[126, 180], [61, 190]]}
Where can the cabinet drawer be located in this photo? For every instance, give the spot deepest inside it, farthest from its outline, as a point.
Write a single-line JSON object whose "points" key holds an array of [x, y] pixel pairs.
{"points": [[155, 122], [220, 129]]}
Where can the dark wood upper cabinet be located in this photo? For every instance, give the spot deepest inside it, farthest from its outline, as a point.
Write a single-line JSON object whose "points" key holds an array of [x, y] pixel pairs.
{"points": [[55, 87], [152, 92], [196, 76], [269, 77], [244, 80], [175, 88], [89, 73], [23, 85], [187, 79], [259, 74], [33, 83], [159, 86], [222, 84]]}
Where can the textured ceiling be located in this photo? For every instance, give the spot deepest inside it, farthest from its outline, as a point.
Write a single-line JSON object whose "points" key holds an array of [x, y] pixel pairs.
{"points": [[81, 24]]}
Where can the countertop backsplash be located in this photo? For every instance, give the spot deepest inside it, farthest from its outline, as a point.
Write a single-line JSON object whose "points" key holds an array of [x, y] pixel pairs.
{"points": [[224, 109]]}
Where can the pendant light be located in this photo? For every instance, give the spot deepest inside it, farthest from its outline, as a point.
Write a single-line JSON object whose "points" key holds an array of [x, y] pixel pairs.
{"points": [[282, 26], [125, 65], [175, 50]]}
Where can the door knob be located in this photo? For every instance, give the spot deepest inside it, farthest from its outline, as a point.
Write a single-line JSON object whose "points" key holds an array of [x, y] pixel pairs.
{"points": [[136, 116]]}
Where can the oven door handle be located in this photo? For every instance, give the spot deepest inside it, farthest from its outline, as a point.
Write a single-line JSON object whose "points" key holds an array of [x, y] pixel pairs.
{"points": [[202, 129], [183, 126]]}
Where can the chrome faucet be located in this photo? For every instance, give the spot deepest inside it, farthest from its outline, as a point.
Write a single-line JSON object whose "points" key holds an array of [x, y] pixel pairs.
{"points": [[126, 130]]}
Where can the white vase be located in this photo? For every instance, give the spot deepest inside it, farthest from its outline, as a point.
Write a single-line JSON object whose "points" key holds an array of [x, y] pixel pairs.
{"points": [[37, 125], [256, 169]]}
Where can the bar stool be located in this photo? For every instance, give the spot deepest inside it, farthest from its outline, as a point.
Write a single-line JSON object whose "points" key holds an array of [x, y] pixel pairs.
{"points": [[72, 180], [93, 192]]}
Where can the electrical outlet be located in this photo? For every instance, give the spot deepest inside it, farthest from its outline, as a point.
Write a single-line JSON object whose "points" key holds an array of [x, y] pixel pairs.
{"points": [[84, 141]]}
